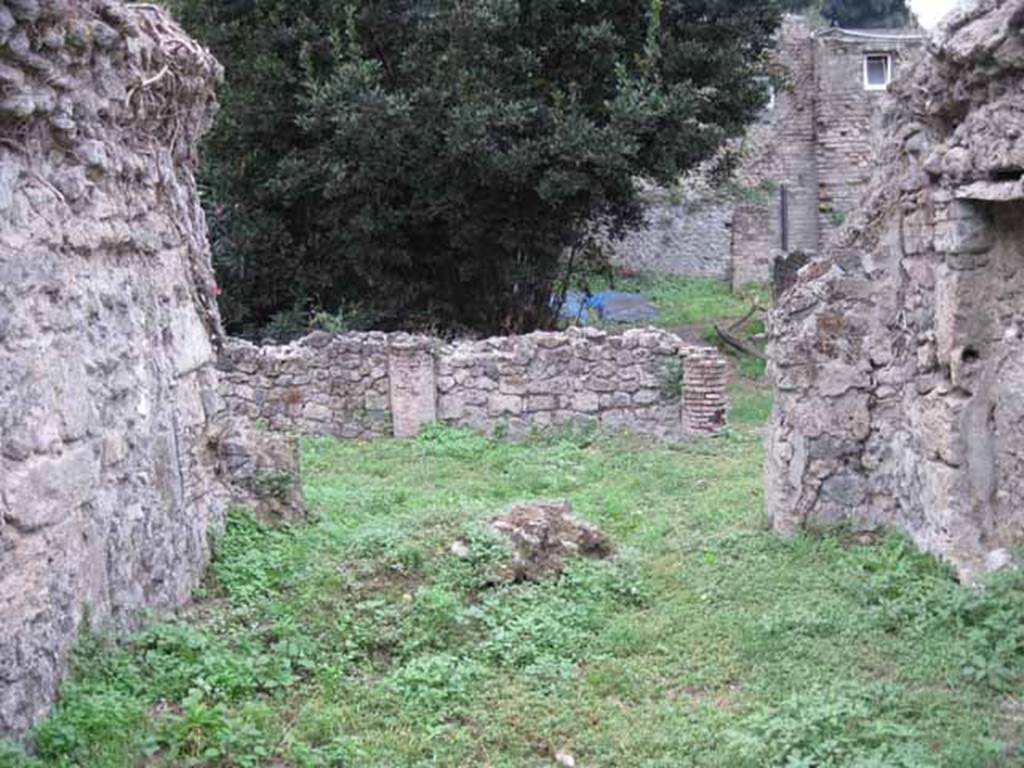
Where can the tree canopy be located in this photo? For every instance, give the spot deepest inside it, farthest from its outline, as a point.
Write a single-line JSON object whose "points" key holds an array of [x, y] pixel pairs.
{"points": [[854, 14], [866, 14], [442, 161]]}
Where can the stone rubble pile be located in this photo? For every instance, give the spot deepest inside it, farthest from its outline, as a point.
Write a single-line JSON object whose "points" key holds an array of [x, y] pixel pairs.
{"points": [[543, 535]]}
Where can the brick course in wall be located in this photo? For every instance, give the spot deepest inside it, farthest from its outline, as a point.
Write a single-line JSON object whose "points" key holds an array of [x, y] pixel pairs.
{"points": [[816, 145], [367, 385], [779, 159]]}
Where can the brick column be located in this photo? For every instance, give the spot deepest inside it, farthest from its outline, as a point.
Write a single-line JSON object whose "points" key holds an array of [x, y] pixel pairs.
{"points": [[413, 384], [704, 402]]}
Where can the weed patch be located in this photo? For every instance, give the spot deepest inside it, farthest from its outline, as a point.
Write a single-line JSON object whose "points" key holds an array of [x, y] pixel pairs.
{"points": [[366, 639]]}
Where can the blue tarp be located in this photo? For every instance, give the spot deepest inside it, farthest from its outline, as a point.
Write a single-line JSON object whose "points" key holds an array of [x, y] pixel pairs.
{"points": [[576, 307], [610, 306], [622, 307]]}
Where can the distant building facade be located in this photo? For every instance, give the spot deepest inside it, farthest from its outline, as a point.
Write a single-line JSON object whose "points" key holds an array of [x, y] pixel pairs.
{"points": [[803, 165]]}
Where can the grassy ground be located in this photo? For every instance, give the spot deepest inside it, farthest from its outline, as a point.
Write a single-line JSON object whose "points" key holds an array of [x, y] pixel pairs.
{"points": [[360, 640], [689, 301]]}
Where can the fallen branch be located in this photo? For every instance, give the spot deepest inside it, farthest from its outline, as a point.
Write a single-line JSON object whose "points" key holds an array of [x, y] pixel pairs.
{"points": [[739, 344], [739, 323]]}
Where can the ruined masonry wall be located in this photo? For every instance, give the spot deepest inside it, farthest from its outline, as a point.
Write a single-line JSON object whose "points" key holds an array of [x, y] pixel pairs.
{"points": [[679, 238], [815, 145], [107, 486], [323, 384], [848, 125], [375, 384], [736, 234], [780, 153], [898, 359]]}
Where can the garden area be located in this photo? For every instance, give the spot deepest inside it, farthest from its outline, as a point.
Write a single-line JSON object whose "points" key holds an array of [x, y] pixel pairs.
{"points": [[457, 170], [382, 634]]}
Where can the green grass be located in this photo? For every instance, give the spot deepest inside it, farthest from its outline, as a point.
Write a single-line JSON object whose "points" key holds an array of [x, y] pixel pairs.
{"points": [[683, 301], [750, 401], [360, 640]]}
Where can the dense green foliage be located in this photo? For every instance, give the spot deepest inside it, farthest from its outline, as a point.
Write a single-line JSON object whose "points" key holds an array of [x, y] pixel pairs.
{"points": [[432, 161], [362, 640], [855, 14], [800, 6], [866, 14]]}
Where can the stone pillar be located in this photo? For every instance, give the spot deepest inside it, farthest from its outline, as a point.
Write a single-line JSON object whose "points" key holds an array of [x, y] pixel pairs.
{"points": [[413, 384], [704, 402]]}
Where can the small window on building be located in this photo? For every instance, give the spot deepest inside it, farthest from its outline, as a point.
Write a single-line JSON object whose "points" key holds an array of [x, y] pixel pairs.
{"points": [[877, 71]]}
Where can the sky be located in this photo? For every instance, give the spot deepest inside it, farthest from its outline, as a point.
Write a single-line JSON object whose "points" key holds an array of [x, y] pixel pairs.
{"points": [[931, 11]]}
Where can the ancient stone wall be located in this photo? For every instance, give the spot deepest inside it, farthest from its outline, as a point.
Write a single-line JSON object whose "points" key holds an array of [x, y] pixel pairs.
{"points": [[846, 117], [734, 232], [631, 381], [371, 385], [107, 485], [779, 162], [898, 359], [322, 384], [678, 237], [804, 162]]}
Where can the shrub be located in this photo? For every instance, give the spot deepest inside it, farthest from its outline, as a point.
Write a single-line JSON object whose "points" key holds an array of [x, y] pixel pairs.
{"points": [[437, 160]]}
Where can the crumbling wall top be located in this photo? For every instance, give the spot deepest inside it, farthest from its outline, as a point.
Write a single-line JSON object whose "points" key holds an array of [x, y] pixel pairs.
{"points": [[72, 71]]}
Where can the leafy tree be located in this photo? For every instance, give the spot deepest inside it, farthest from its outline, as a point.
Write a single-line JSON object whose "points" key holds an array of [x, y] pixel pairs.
{"points": [[800, 6], [435, 160], [866, 14]]}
